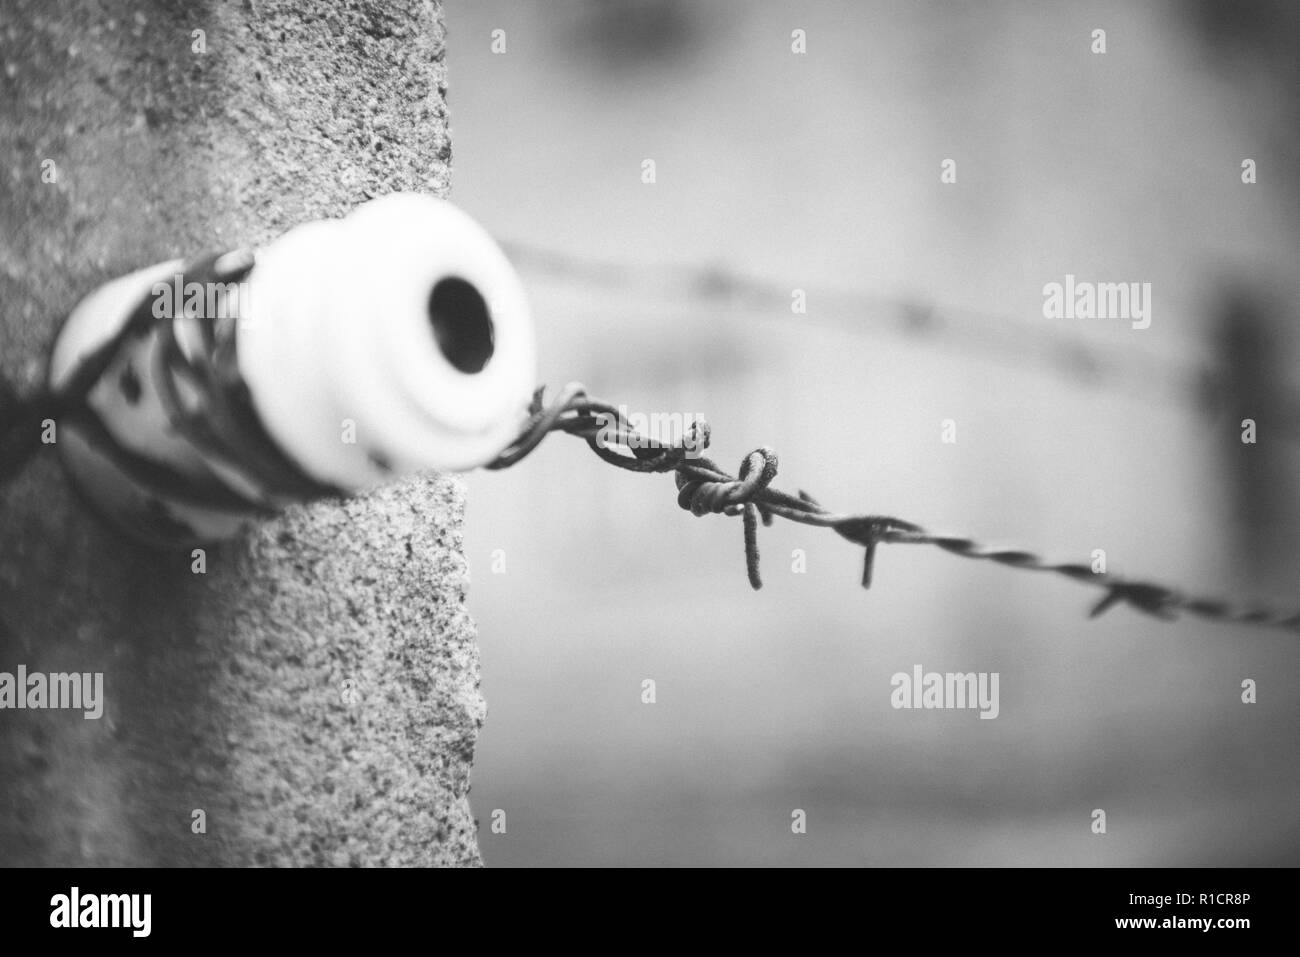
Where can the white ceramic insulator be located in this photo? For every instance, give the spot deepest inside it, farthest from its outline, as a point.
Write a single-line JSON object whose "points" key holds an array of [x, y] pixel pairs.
{"points": [[394, 340], [339, 331]]}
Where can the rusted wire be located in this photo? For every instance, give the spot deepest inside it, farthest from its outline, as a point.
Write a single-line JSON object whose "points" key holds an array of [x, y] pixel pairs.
{"points": [[223, 424], [703, 488]]}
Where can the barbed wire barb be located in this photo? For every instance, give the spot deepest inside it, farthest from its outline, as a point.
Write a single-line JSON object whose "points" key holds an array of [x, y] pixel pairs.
{"points": [[703, 488]]}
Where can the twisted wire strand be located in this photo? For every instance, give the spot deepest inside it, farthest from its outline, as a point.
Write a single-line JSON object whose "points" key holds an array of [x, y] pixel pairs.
{"points": [[703, 488], [204, 398], [222, 423], [226, 428]]}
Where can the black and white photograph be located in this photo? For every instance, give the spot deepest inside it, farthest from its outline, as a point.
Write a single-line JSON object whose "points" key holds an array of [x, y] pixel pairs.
{"points": [[672, 434]]}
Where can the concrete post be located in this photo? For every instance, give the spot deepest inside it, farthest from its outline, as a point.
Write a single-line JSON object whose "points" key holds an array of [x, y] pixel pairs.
{"points": [[311, 696]]}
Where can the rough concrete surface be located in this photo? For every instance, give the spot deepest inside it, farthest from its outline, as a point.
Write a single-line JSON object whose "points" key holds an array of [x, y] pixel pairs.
{"points": [[315, 693]]}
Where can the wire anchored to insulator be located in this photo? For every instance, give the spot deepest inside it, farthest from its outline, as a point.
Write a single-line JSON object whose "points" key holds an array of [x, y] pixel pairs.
{"points": [[192, 398], [187, 427]]}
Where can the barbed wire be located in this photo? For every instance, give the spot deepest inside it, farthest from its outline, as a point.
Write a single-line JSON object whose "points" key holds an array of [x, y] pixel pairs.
{"points": [[704, 488], [1198, 385]]}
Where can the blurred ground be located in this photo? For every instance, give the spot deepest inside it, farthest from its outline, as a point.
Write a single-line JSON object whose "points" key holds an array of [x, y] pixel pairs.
{"points": [[821, 172]]}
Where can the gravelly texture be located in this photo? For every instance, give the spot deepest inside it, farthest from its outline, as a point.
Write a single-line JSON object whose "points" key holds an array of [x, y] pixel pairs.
{"points": [[316, 691]]}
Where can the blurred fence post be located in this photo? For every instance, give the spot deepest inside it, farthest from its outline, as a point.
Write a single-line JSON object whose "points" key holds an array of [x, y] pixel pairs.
{"points": [[1255, 394], [308, 695]]}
